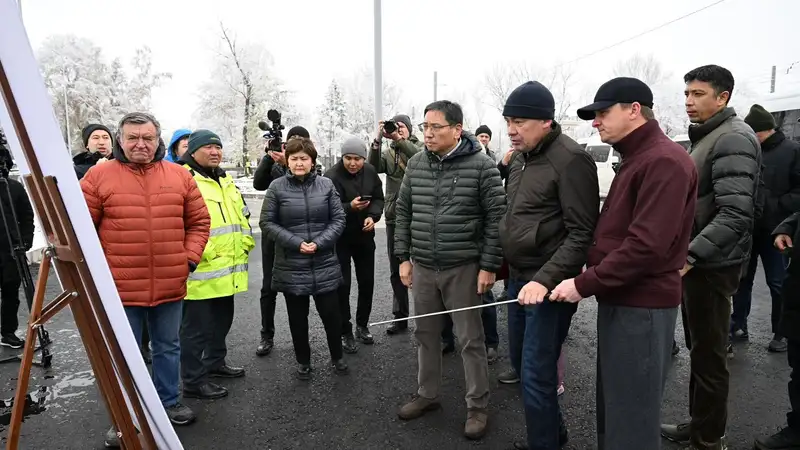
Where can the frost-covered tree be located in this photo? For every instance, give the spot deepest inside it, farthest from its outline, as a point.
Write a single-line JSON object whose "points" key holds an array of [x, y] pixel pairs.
{"points": [[85, 88], [241, 88], [332, 123], [504, 78], [359, 96]]}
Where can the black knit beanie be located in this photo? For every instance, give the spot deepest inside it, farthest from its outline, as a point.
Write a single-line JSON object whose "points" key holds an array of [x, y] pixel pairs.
{"points": [[87, 131], [532, 100], [760, 119], [483, 129], [200, 138], [297, 131]]}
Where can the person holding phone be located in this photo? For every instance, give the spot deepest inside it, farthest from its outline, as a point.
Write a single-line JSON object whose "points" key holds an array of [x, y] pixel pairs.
{"points": [[361, 192]]}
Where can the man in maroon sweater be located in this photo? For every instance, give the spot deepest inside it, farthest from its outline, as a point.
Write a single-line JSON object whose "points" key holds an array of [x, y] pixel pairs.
{"points": [[640, 245]]}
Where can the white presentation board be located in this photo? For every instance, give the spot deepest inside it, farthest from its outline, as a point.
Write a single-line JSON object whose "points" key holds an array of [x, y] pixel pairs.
{"points": [[40, 120]]}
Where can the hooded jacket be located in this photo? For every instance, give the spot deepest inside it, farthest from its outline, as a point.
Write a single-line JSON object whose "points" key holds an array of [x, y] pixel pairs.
{"points": [[222, 271], [449, 209], [393, 162], [152, 223], [349, 186], [171, 154], [304, 210]]}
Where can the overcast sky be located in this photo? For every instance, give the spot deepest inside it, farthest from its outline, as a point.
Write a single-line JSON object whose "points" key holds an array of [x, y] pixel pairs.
{"points": [[315, 40]]}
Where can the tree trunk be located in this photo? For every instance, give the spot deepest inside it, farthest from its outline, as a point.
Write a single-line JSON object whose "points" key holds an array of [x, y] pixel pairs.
{"points": [[248, 87]]}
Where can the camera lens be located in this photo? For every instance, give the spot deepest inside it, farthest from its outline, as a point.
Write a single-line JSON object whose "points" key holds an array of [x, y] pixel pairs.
{"points": [[390, 126]]}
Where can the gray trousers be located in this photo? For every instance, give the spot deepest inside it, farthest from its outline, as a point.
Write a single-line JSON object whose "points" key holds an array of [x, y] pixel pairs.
{"points": [[634, 348], [436, 291]]}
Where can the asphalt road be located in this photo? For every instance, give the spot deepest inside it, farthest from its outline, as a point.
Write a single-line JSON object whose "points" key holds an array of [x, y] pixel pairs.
{"points": [[270, 409]]}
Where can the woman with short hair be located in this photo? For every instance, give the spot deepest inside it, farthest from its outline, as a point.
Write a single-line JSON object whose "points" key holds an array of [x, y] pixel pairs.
{"points": [[303, 214]]}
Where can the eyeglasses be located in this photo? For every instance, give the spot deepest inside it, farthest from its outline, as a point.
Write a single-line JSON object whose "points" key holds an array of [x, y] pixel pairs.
{"points": [[135, 139], [435, 126]]}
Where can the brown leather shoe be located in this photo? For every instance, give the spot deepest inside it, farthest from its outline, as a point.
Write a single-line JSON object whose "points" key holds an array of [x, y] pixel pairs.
{"points": [[417, 407], [475, 427]]}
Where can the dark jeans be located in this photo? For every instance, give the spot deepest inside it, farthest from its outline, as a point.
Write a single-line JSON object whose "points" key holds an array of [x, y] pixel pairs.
{"points": [[164, 322], [400, 302], [206, 324], [774, 272], [363, 255], [707, 304], [268, 296], [489, 319], [546, 327], [10, 282], [328, 308]]}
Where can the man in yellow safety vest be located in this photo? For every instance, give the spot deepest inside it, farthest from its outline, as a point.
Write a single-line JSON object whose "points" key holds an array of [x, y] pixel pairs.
{"points": [[222, 272]]}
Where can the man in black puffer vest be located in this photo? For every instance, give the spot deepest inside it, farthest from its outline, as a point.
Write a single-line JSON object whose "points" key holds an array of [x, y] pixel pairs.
{"points": [[782, 198], [448, 209], [728, 159], [361, 192]]}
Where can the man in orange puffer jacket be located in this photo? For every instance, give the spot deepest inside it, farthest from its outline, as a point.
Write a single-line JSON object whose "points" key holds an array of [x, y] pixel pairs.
{"points": [[153, 226]]}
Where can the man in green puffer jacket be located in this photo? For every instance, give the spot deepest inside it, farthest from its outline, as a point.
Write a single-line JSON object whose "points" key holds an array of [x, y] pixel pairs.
{"points": [[392, 161], [448, 211]]}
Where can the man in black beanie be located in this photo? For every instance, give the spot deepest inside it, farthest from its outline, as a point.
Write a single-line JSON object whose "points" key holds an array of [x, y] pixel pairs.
{"points": [[553, 205], [272, 166], [97, 143], [782, 199]]}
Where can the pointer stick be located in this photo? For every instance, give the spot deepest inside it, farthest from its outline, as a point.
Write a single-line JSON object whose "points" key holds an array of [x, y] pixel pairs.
{"points": [[446, 312]]}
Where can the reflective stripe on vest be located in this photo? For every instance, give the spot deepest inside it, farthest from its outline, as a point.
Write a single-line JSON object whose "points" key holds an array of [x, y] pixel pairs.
{"points": [[219, 273]]}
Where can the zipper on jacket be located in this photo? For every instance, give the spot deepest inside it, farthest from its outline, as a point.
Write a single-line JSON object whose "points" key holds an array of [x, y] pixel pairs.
{"points": [[436, 213], [221, 211], [150, 237], [453, 187], [308, 232]]}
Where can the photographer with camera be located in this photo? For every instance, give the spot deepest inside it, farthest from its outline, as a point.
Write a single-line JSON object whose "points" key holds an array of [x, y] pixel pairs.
{"points": [[271, 167], [392, 161], [97, 144], [15, 200]]}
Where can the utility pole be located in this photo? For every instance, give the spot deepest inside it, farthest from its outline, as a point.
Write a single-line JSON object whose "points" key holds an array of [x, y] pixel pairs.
{"points": [[378, 44], [435, 84], [772, 81]]}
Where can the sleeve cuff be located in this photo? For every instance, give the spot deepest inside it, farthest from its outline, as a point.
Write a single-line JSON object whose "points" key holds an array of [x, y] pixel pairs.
{"points": [[587, 283]]}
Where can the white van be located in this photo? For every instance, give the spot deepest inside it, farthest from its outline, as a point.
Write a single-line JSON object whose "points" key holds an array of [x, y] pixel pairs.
{"points": [[605, 158]]}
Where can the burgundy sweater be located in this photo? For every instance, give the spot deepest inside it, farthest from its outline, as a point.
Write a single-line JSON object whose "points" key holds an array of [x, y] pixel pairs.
{"points": [[642, 237]]}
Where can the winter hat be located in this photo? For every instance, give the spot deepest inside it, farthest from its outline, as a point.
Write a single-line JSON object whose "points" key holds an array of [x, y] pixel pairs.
{"points": [[354, 146], [200, 138], [405, 120], [530, 101], [87, 131], [483, 129], [760, 119], [297, 131]]}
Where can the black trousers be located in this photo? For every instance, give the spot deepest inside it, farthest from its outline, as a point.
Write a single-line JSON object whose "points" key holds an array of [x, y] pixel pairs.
{"points": [[363, 255], [205, 326], [400, 302], [10, 283], [268, 296], [707, 306], [328, 308]]}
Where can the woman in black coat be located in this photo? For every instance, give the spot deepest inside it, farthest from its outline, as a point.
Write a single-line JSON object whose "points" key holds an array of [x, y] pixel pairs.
{"points": [[303, 214]]}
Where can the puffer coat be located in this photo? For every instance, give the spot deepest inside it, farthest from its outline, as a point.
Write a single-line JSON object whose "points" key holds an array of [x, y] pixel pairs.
{"points": [[296, 211], [152, 223]]}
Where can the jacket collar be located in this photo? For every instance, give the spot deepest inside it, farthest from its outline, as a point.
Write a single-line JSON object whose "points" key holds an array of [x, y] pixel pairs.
{"points": [[635, 141], [547, 141], [701, 130], [773, 141]]}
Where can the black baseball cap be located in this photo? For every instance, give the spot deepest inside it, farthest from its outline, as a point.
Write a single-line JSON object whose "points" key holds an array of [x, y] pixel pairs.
{"points": [[618, 90]]}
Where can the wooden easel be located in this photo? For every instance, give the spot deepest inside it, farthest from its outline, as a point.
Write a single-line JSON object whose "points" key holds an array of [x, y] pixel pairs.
{"points": [[80, 294]]}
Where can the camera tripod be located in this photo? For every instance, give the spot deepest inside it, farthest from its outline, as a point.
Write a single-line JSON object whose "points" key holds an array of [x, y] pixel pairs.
{"points": [[18, 251]]}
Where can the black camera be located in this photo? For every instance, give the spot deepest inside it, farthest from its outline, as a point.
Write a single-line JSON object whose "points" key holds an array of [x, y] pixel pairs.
{"points": [[274, 133], [389, 126]]}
